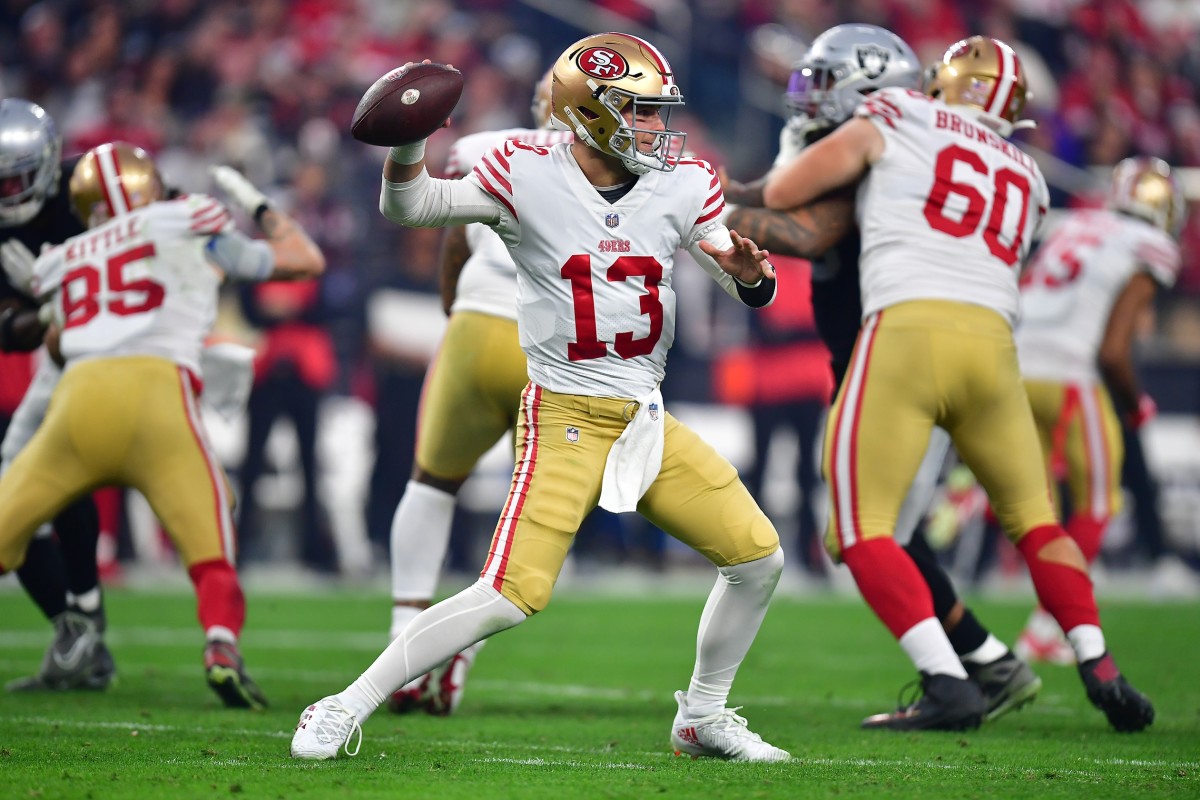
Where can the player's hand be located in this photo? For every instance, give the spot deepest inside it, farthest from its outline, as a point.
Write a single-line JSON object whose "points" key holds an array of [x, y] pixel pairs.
{"points": [[18, 262], [240, 190], [744, 261]]}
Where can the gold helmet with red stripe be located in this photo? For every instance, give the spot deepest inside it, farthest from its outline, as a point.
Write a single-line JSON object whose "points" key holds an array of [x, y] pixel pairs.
{"points": [[1144, 187], [597, 79], [985, 74], [111, 180]]}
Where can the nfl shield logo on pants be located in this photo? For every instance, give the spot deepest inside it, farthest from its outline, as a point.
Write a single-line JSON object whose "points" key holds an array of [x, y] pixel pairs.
{"points": [[654, 411], [572, 434], [612, 220]]}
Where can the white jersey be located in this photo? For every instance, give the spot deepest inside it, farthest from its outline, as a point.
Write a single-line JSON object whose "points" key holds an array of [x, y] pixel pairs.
{"points": [[488, 283], [595, 303], [1072, 283], [140, 284], [949, 210]]}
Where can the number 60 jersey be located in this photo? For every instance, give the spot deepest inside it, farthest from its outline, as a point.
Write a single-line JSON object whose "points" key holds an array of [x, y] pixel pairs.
{"points": [[595, 306], [977, 201], [140, 284]]}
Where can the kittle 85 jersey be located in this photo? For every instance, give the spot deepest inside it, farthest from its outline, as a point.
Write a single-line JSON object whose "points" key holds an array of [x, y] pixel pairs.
{"points": [[488, 283], [949, 210], [595, 303], [140, 284], [1070, 287]]}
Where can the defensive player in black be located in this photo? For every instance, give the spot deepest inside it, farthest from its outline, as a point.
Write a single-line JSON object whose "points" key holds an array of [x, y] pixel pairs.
{"points": [[35, 211], [844, 64]]}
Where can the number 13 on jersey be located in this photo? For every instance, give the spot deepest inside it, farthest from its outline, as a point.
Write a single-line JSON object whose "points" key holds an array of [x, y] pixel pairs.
{"points": [[578, 270]]}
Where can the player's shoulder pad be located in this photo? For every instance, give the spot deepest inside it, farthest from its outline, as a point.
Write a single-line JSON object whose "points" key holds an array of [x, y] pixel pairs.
{"points": [[894, 105], [192, 214]]}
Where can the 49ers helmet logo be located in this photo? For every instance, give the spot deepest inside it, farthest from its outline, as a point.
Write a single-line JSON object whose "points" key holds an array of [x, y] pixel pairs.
{"points": [[602, 63]]}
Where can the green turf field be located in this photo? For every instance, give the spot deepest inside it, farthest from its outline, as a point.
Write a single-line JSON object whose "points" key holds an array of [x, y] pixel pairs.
{"points": [[567, 707]]}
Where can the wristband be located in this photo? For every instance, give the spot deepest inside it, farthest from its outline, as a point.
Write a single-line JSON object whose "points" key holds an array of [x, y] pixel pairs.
{"points": [[408, 154]]}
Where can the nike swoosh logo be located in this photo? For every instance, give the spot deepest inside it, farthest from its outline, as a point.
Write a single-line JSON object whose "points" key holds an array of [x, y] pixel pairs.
{"points": [[71, 659]]}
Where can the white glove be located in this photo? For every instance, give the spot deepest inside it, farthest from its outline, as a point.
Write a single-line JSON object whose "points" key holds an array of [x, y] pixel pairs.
{"points": [[18, 263], [242, 191]]}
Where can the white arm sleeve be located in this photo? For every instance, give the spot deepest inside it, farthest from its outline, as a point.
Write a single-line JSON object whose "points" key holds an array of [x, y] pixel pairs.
{"points": [[718, 236], [426, 202], [241, 257]]}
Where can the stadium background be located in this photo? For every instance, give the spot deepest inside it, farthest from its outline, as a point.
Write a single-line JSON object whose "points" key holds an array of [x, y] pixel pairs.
{"points": [[269, 86]]}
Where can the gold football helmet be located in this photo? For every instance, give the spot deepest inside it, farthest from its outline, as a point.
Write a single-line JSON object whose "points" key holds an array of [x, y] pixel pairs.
{"points": [[601, 76], [982, 73], [113, 179], [1145, 188]]}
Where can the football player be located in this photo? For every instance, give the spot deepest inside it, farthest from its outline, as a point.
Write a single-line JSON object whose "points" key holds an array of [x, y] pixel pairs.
{"points": [[35, 211], [132, 299], [843, 65], [947, 208], [1081, 298], [470, 399], [593, 226]]}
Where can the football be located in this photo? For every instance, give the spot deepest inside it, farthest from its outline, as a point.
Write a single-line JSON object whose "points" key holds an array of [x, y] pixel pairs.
{"points": [[407, 104]]}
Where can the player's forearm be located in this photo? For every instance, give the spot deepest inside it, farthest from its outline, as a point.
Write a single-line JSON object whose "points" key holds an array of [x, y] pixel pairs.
{"points": [[745, 194], [1122, 381], [297, 256], [425, 202], [455, 252], [804, 232]]}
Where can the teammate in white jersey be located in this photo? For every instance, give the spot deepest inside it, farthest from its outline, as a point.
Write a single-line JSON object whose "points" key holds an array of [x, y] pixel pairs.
{"points": [[470, 399], [946, 208], [134, 297], [1081, 298], [593, 227]]}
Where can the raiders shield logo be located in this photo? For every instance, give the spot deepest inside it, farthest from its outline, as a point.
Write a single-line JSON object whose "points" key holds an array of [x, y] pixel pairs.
{"points": [[612, 220], [872, 60]]}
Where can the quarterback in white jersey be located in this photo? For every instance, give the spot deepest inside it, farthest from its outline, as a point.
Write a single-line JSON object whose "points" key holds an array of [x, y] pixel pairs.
{"points": [[469, 400], [133, 298], [593, 227], [1082, 296], [947, 209]]}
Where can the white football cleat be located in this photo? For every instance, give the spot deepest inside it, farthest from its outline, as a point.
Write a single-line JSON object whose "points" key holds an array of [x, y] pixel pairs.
{"points": [[324, 731], [720, 735]]}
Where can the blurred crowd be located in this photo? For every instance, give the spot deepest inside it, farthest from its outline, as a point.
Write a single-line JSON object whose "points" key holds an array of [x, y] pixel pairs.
{"points": [[269, 86]]}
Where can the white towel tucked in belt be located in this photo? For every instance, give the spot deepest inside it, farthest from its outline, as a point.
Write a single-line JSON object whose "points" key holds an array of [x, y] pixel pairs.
{"points": [[636, 456]]}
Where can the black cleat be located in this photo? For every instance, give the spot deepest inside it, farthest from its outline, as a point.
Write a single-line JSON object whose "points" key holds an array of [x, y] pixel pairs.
{"points": [[1127, 709], [1007, 683], [227, 676], [76, 659], [946, 704]]}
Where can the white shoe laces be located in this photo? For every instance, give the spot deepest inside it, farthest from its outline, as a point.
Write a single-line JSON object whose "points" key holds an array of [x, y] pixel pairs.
{"points": [[337, 726], [730, 721]]}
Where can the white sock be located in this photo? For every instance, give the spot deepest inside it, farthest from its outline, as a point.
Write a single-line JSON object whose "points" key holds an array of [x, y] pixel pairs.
{"points": [[219, 633], [420, 536], [435, 635], [88, 602], [930, 650], [731, 619], [1088, 642], [991, 650], [402, 615]]}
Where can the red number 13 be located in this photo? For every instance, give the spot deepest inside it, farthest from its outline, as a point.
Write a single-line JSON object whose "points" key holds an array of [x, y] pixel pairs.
{"points": [[578, 270]]}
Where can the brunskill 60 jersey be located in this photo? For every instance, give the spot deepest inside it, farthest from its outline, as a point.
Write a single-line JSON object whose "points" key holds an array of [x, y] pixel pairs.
{"points": [[488, 283], [1072, 283], [140, 284], [595, 303], [949, 210]]}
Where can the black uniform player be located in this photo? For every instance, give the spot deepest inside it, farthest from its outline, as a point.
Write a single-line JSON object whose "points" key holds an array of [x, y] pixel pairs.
{"points": [[35, 210], [844, 64]]}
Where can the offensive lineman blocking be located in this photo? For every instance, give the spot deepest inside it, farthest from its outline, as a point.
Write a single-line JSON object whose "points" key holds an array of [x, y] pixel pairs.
{"points": [[593, 227], [947, 209]]}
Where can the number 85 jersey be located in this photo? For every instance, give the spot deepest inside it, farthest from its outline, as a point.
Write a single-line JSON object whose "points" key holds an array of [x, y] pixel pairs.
{"points": [[948, 211], [140, 284], [595, 304]]}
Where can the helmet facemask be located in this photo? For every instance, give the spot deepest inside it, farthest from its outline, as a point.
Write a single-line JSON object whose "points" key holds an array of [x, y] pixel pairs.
{"points": [[666, 146]]}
